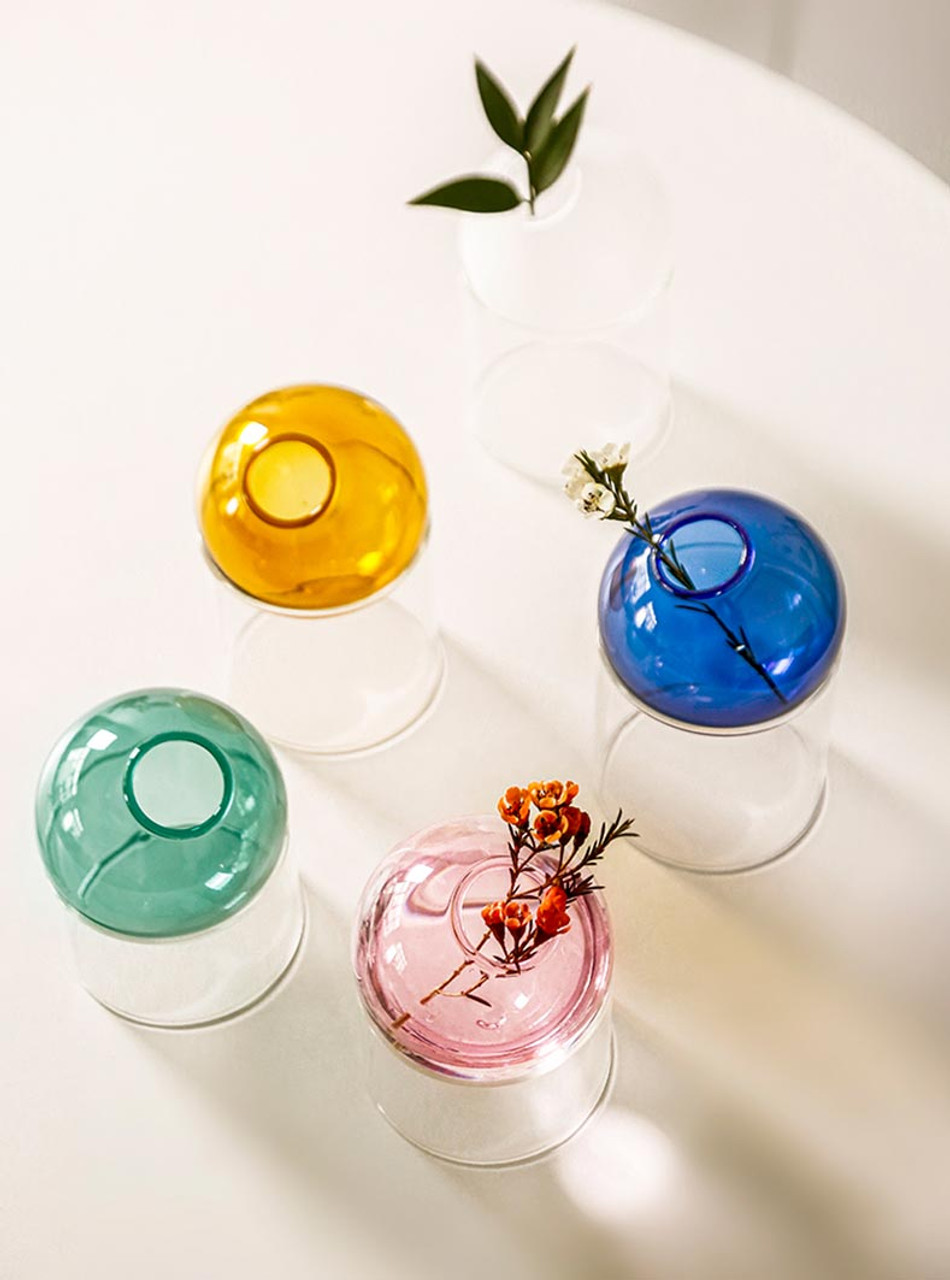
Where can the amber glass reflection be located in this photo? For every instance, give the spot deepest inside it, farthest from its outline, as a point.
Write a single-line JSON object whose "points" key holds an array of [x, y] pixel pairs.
{"points": [[313, 498]]}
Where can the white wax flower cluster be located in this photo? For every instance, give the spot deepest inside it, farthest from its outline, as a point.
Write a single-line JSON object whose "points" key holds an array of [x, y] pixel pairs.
{"points": [[589, 496]]}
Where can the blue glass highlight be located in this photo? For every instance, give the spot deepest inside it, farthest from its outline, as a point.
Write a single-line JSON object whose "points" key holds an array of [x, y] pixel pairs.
{"points": [[772, 585]]}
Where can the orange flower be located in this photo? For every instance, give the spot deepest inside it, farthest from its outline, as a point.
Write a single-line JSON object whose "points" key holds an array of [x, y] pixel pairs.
{"points": [[578, 822], [550, 826], [517, 916], [551, 795], [515, 807], [493, 913], [552, 917]]}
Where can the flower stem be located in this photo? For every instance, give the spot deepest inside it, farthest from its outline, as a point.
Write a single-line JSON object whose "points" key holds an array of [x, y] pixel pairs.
{"points": [[626, 511], [437, 991]]}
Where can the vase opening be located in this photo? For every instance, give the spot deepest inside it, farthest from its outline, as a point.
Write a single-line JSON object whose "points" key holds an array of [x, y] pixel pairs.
{"points": [[713, 550], [178, 785], [558, 201], [486, 882], [290, 481]]}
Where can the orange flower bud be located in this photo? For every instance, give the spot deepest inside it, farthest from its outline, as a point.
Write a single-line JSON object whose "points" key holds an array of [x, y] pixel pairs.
{"points": [[550, 826], [552, 795], [493, 913], [552, 917], [517, 916], [515, 807], [578, 822]]}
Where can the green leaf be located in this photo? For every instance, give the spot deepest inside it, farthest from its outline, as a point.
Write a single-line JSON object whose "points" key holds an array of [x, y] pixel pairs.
{"points": [[541, 112], [501, 112], [474, 194], [550, 161]]}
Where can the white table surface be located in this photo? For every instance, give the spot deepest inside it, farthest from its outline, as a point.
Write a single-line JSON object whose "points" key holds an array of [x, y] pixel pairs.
{"points": [[205, 200]]}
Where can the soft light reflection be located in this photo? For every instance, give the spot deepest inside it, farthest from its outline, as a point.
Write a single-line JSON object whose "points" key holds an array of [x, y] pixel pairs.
{"points": [[641, 579], [101, 739], [619, 1165], [69, 773], [252, 433], [370, 562], [72, 822], [400, 893], [220, 880], [231, 506], [645, 617]]}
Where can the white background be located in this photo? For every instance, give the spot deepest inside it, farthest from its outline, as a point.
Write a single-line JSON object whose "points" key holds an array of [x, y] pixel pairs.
{"points": [[203, 201]]}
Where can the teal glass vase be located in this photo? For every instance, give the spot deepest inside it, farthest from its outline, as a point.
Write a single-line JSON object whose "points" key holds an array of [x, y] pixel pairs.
{"points": [[162, 823]]}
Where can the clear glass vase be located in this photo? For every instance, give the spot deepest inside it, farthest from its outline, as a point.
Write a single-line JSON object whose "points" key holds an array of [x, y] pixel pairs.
{"points": [[714, 701], [567, 312], [506, 1075], [162, 822], [314, 515]]}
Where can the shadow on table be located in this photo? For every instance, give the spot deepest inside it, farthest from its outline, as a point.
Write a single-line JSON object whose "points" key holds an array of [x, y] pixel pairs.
{"points": [[865, 891], [893, 570], [481, 737], [657, 1181], [669, 1179], [288, 1073]]}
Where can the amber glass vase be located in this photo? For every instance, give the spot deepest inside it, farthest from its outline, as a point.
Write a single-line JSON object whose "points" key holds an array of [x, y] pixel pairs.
{"points": [[314, 514]]}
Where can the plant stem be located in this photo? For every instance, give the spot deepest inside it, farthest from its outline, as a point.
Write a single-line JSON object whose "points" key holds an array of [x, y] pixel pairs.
{"points": [[532, 193], [437, 991], [639, 530], [626, 511], [740, 646]]}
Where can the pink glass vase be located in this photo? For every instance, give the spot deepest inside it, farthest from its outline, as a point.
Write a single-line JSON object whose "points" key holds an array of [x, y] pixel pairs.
{"points": [[516, 1067]]}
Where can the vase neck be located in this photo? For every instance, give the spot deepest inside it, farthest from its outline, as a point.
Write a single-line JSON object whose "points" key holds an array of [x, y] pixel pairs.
{"points": [[713, 551]]}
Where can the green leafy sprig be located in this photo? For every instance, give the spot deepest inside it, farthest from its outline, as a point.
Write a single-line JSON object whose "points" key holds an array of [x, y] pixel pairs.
{"points": [[544, 141]]}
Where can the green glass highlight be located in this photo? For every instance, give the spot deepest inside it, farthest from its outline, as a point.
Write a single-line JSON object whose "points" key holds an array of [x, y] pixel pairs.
{"points": [[160, 813]]}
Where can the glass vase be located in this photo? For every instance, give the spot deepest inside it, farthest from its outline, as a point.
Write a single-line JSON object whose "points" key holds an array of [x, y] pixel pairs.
{"points": [[515, 1068], [567, 312], [714, 702], [162, 822], [314, 514]]}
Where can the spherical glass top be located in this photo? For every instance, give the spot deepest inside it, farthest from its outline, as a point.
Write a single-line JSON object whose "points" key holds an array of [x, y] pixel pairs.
{"points": [[160, 813], [312, 498], [420, 921], [753, 636]]}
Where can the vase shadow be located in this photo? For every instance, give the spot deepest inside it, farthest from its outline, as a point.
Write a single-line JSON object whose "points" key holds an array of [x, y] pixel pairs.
{"points": [[668, 1180], [866, 891], [478, 740], [708, 441], [289, 1075]]}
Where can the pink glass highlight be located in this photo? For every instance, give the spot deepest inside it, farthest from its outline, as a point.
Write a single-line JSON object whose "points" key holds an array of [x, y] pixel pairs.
{"points": [[421, 917]]}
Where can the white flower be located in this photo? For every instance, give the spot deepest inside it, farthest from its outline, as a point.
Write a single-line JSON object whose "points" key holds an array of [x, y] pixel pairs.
{"points": [[596, 500], [612, 457], [576, 478]]}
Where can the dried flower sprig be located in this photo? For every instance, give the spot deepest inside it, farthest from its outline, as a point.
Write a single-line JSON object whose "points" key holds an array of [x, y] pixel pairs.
{"points": [[544, 143], [594, 483], [550, 835]]}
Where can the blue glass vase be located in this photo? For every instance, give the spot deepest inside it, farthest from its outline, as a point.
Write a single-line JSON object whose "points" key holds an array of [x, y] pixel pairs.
{"points": [[719, 641]]}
